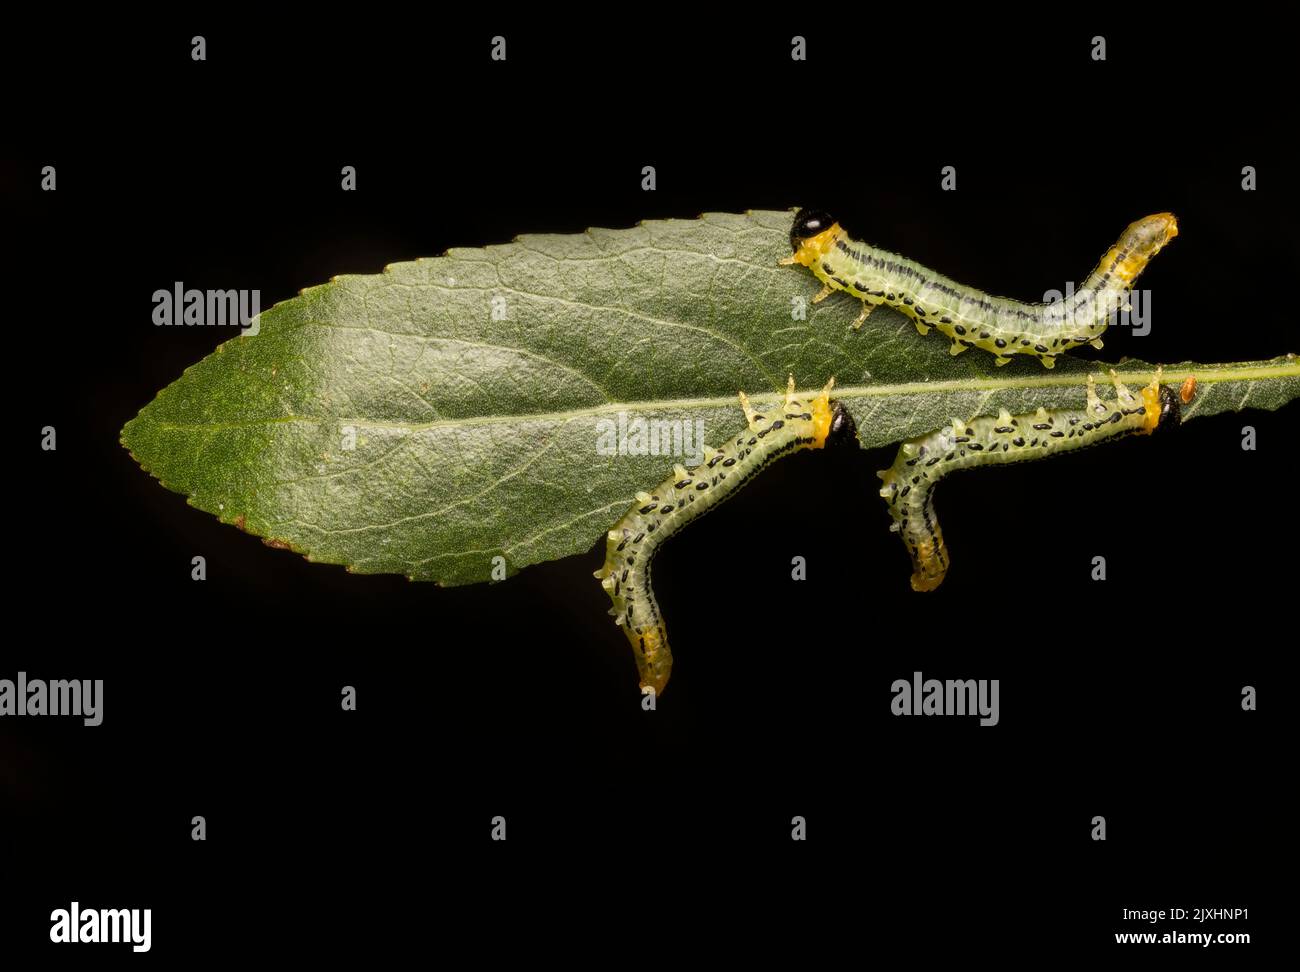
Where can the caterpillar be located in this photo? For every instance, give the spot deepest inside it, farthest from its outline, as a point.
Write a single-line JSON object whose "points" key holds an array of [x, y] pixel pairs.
{"points": [[631, 544], [921, 462], [971, 317]]}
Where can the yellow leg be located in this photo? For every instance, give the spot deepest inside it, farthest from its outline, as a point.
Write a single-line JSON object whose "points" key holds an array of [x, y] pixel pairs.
{"points": [[1094, 403], [1122, 394], [826, 291], [866, 312], [748, 410]]}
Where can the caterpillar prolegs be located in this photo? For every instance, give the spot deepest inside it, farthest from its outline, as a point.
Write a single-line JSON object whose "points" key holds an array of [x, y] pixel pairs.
{"points": [[971, 317], [795, 424], [909, 483]]}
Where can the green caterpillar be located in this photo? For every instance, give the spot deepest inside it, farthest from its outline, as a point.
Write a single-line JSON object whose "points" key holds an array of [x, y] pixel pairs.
{"points": [[909, 483], [796, 424], [908, 488], [971, 317]]}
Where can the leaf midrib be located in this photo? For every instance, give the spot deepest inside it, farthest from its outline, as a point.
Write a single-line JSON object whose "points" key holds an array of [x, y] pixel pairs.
{"points": [[1204, 376]]}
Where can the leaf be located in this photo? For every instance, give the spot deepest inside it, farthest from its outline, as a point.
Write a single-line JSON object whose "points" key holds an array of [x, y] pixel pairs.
{"points": [[476, 437]]}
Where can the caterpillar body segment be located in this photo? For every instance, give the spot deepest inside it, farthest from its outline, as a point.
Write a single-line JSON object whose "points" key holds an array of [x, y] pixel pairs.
{"points": [[800, 422], [972, 318], [908, 485]]}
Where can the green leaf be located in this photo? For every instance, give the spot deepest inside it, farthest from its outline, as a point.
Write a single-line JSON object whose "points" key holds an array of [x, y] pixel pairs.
{"points": [[476, 437]]}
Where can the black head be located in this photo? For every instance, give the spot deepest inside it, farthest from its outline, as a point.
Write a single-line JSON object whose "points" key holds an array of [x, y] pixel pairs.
{"points": [[843, 428], [808, 222], [1171, 408]]}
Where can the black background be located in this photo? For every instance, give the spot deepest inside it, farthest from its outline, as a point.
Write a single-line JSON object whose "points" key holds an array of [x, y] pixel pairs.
{"points": [[365, 832]]}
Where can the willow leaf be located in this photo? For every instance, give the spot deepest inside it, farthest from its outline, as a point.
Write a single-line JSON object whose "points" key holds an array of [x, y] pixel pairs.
{"points": [[445, 412]]}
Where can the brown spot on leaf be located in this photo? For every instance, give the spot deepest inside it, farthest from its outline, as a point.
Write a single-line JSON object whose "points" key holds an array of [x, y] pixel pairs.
{"points": [[277, 544], [240, 522]]}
